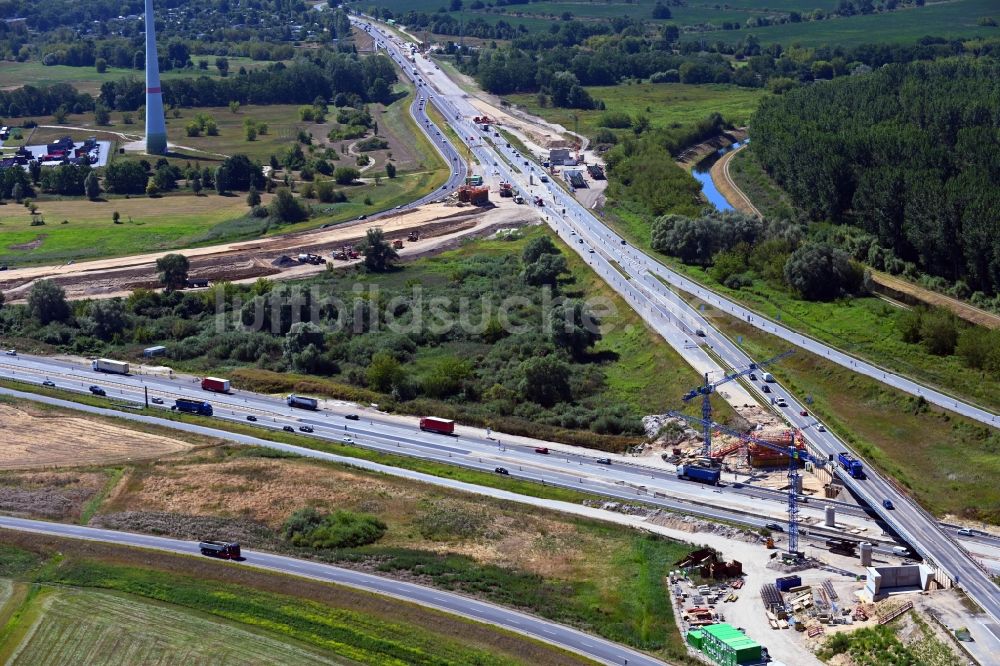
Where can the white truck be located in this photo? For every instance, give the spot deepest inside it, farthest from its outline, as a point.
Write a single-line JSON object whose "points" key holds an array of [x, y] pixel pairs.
{"points": [[768, 377], [110, 366]]}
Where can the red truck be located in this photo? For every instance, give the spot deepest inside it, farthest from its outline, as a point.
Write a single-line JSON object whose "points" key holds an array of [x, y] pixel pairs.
{"points": [[215, 384], [434, 424]]}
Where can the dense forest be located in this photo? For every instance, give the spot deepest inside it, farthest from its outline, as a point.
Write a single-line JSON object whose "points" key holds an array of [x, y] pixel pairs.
{"points": [[531, 62], [908, 153]]}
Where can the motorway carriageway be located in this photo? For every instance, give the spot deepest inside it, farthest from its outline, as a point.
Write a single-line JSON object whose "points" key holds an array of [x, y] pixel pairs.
{"points": [[565, 466], [636, 276], [599, 649]]}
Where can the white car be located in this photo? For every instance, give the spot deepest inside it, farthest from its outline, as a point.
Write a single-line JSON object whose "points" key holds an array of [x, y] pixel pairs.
{"points": [[965, 531], [156, 401], [11, 352]]}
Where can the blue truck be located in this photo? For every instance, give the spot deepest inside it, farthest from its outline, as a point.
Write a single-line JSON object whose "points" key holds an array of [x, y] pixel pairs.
{"points": [[302, 402], [699, 474], [192, 406], [851, 465]]}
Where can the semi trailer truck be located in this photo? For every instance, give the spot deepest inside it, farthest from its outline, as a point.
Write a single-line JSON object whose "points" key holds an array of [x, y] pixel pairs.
{"points": [[699, 474], [192, 406], [434, 424], [109, 366], [215, 385], [302, 402]]}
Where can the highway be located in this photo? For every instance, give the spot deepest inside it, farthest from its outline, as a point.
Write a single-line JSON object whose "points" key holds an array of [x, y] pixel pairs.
{"points": [[596, 648], [618, 477], [643, 282]]}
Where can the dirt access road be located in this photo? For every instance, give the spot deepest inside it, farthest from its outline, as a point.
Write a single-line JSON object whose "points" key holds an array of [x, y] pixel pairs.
{"points": [[439, 226]]}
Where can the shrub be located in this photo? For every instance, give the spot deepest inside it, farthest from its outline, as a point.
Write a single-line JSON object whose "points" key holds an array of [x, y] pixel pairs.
{"points": [[308, 528]]}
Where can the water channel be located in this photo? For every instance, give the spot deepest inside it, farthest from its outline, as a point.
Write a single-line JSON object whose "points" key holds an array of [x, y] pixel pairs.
{"points": [[702, 173]]}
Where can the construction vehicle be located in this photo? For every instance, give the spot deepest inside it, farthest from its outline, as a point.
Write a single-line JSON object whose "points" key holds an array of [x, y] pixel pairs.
{"points": [[842, 546], [311, 259], [699, 474], [478, 196], [215, 385], [192, 406], [340, 255], [302, 402], [474, 179], [851, 465], [413, 237], [539, 202], [435, 424], [506, 189], [709, 388], [225, 550], [109, 366], [397, 244]]}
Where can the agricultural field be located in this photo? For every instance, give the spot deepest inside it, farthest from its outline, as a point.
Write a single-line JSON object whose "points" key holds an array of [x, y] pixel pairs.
{"points": [[36, 438], [663, 103], [89, 80], [252, 616], [950, 19]]}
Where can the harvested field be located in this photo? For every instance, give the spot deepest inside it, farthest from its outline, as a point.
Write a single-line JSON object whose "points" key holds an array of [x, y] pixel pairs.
{"points": [[34, 441], [86, 627]]}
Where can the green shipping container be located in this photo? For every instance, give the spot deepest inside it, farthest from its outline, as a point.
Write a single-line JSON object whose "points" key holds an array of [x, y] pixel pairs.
{"points": [[727, 646], [694, 638]]}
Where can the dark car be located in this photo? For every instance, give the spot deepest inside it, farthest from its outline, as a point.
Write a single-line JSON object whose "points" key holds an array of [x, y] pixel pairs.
{"points": [[97, 390], [603, 461], [362, 217], [288, 428], [48, 382], [352, 417], [156, 401], [542, 450], [765, 388], [775, 527], [501, 470], [251, 417], [888, 504], [305, 429], [753, 377]]}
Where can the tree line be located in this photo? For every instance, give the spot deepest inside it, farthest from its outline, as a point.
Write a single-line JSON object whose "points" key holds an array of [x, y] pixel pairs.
{"points": [[907, 153], [301, 82]]}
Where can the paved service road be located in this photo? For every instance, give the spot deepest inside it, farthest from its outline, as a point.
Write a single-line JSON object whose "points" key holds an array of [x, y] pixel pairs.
{"points": [[643, 282], [593, 647]]}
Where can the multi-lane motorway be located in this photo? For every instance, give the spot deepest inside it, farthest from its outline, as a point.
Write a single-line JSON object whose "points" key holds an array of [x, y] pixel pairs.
{"points": [[612, 476], [596, 648], [643, 281]]}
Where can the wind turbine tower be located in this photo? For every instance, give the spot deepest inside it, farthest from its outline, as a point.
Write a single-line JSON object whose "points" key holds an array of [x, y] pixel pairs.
{"points": [[156, 126]]}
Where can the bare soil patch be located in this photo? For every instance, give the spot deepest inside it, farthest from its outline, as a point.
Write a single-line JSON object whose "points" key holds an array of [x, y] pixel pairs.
{"points": [[53, 495], [36, 441], [30, 245]]}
